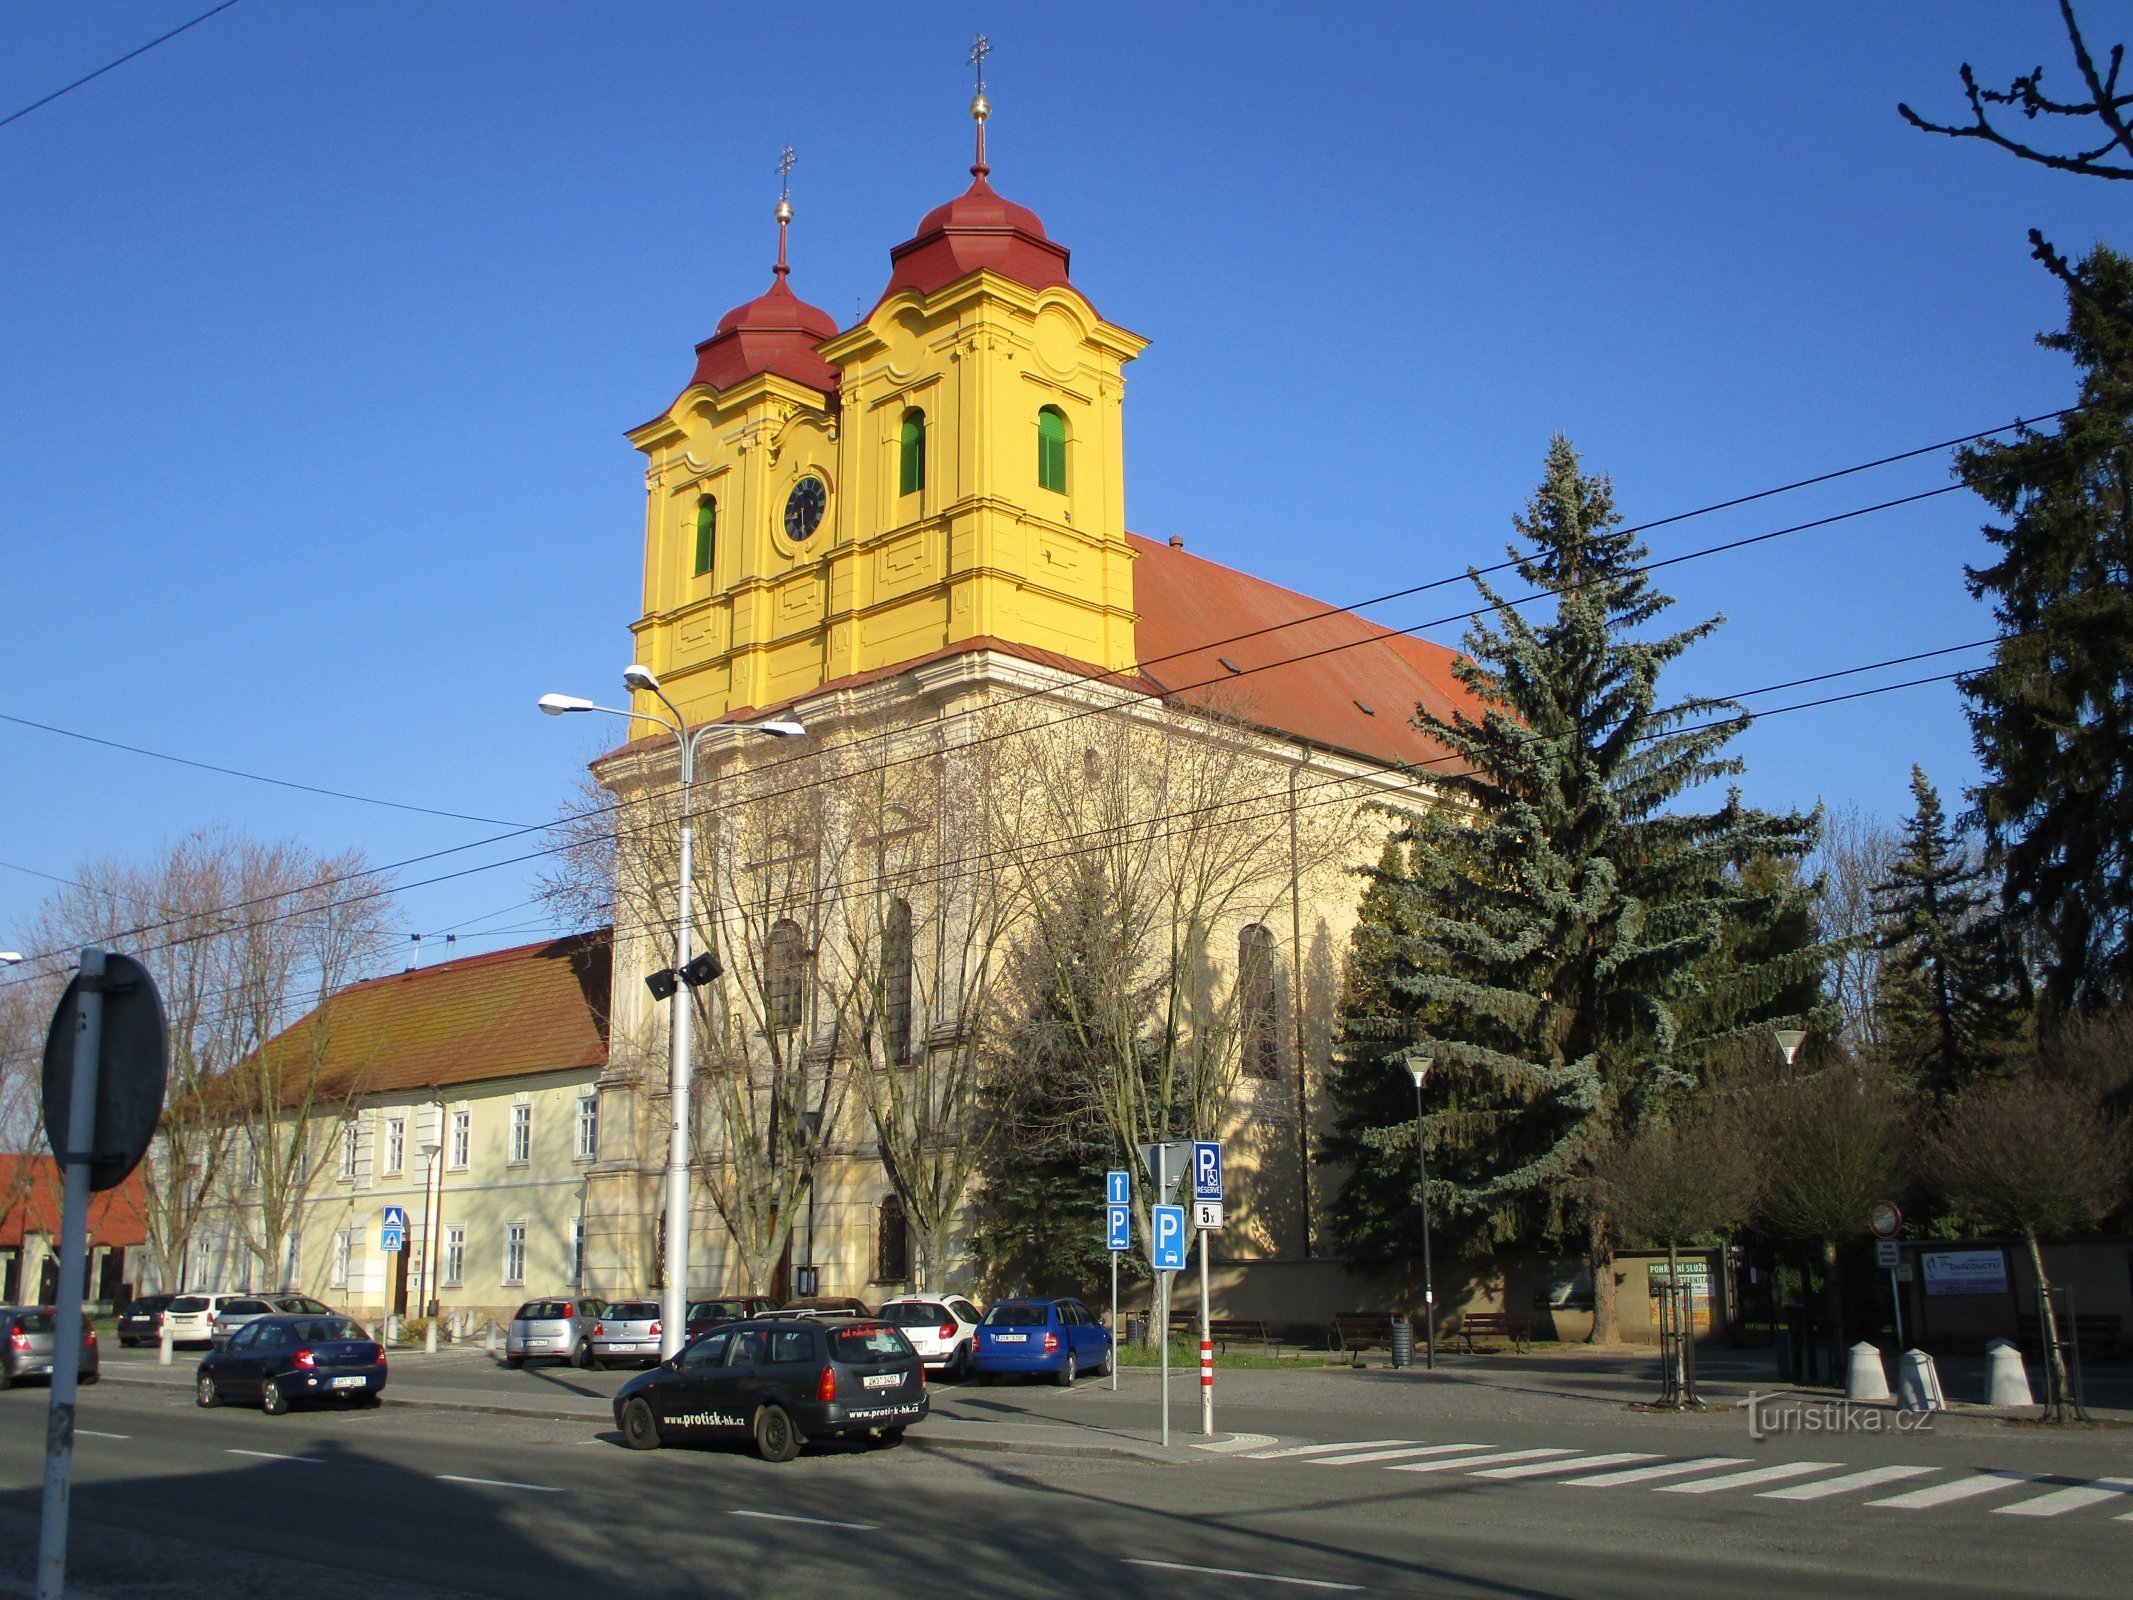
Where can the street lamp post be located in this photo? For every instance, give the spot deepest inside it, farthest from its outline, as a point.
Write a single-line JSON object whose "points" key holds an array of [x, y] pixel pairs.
{"points": [[1418, 1064], [674, 983], [432, 1218]]}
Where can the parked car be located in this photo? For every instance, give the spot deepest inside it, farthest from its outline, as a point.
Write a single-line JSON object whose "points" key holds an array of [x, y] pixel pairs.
{"points": [[280, 1360], [300, 1305], [941, 1328], [234, 1312], [142, 1320], [826, 1305], [1056, 1337], [192, 1316], [780, 1381], [560, 1329], [628, 1330], [27, 1344], [704, 1315]]}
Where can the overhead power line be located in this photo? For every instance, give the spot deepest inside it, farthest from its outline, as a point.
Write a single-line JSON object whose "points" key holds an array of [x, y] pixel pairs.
{"points": [[16, 116]]}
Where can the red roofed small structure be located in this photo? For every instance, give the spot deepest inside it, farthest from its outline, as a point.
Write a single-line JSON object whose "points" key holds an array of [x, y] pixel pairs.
{"points": [[29, 1232]]}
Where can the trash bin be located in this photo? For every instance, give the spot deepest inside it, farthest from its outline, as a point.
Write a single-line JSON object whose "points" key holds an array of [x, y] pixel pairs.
{"points": [[1137, 1329], [1403, 1342]]}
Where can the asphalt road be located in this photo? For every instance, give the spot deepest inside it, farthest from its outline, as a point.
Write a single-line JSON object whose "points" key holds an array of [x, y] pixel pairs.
{"points": [[412, 1501]]}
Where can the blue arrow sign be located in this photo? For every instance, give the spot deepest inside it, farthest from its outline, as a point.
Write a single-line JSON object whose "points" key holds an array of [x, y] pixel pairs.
{"points": [[1167, 1253], [1206, 1170], [1118, 1188], [1118, 1227]]}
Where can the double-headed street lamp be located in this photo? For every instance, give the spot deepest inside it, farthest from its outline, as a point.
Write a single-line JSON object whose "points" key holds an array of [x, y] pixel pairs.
{"points": [[675, 982], [1418, 1064]]}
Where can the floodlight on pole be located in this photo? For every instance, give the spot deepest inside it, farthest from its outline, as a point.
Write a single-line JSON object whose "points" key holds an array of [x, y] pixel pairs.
{"points": [[1789, 1041], [674, 983], [9, 958]]}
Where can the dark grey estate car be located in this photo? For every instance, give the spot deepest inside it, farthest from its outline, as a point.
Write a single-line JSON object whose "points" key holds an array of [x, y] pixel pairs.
{"points": [[27, 1343]]}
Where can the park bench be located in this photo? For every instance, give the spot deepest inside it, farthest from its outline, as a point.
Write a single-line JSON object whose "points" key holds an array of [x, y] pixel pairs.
{"points": [[1223, 1331], [1359, 1330], [1494, 1325], [2092, 1330]]}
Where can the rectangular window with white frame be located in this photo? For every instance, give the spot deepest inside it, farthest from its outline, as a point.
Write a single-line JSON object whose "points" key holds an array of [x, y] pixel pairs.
{"points": [[462, 1140], [455, 1253], [343, 1249], [514, 1252], [577, 1251], [291, 1277], [395, 1143], [589, 1126], [348, 1152], [521, 1135]]}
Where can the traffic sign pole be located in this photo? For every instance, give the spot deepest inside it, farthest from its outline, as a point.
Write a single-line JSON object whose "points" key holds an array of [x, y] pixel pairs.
{"points": [[73, 1260], [1207, 1352]]}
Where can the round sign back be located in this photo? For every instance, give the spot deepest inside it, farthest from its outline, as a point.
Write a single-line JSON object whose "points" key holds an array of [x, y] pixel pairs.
{"points": [[132, 1066]]}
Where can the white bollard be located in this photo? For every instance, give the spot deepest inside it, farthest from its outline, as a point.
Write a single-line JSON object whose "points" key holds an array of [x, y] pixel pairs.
{"points": [[2006, 1379], [164, 1343], [488, 1337], [1918, 1383], [429, 1337], [1864, 1376]]}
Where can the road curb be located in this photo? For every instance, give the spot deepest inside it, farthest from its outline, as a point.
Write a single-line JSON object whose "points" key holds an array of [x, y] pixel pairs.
{"points": [[1039, 1447], [402, 1400]]}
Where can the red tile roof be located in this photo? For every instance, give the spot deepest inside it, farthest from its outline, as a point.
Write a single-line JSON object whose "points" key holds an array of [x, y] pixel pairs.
{"points": [[29, 1203], [536, 1008]]}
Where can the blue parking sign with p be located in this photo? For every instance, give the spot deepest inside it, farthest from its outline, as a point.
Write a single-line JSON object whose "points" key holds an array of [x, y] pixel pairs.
{"points": [[1168, 1246], [1118, 1227], [1206, 1170]]}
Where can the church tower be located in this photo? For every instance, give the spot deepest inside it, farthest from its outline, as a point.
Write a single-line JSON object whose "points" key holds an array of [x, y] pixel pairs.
{"points": [[947, 474]]}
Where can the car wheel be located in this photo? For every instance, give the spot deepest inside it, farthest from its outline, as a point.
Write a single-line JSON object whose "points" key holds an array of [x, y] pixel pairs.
{"points": [[582, 1357], [271, 1400], [888, 1438], [640, 1429], [514, 1362], [966, 1364], [370, 1401], [776, 1439], [204, 1392], [1103, 1367], [88, 1377], [1064, 1377]]}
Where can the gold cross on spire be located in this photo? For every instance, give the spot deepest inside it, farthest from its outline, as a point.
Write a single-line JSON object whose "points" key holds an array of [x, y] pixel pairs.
{"points": [[786, 162], [979, 50], [980, 107]]}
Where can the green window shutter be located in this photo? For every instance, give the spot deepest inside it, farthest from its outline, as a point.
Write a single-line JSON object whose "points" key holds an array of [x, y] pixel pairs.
{"points": [[706, 533], [912, 476], [1051, 450]]}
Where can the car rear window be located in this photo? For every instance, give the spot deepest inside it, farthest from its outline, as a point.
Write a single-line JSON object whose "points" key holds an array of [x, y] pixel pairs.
{"points": [[320, 1329], [247, 1308], [704, 1309], [189, 1303], [34, 1321], [1023, 1316], [867, 1344], [632, 1311], [914, 1314], [544, 1310]]}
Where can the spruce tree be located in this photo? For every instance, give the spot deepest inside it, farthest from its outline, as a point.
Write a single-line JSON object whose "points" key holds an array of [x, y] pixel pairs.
{"points": [[1948, 996], [1552, 929], [2052, 716]]}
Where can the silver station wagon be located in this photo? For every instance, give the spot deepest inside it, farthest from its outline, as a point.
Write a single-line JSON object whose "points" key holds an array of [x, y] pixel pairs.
{"points": [[552, 1330]]}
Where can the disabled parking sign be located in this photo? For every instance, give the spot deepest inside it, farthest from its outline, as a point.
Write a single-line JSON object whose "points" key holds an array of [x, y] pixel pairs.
{"points": [[1206, 1170], [1166, 1249]]}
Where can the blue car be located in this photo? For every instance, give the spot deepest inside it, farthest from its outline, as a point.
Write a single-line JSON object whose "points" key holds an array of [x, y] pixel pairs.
{"points": [[1056, 1337], [279, 1361]]}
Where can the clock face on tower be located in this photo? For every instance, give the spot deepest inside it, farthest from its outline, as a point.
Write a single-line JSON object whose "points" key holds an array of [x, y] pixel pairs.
{"points": [[803, 509]]}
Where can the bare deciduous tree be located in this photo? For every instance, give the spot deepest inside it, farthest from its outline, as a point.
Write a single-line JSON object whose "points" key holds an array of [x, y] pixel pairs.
{"points": [[1853, 855], [2105, 138]]}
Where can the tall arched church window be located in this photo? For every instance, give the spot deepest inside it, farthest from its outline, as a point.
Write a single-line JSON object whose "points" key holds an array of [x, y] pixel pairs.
{"points": [[706, 533], [892, 1242], [896, 982], [1259, 1043], [1051, 449], [785, 973], [911, 453]]}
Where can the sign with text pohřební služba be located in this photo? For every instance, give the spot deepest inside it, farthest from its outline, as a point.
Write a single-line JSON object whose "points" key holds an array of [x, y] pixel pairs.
{"points": [[1964, 1271]]}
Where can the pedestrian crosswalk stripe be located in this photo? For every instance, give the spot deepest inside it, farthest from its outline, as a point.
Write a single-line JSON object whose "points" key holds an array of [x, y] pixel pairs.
{"points": [[1939, 1494], [2064, 1500], [1535, 1469], [1393, 1455], [1843, 1485], [1477, 1461], [1665, 1469], [1322, 1449], [1745, 1480]]}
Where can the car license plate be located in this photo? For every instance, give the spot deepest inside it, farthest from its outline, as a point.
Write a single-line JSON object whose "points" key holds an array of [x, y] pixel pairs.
{"points": [[884, 1380], [1011, 1338], [349, 1383]]}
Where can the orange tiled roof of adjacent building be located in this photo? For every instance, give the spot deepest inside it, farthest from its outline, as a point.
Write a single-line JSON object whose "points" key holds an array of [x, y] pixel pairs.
{"points": [[29, 1203]]}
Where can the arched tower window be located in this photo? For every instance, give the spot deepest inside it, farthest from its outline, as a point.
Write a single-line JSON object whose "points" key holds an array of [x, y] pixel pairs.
{"points": [[911, 453], [896, 982], [1259, 1044], [706, 533], [785, 973], [1051, 449], [892, 1242]]}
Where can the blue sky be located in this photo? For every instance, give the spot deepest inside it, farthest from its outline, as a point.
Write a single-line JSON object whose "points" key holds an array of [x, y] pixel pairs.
{"points": [[320, 328]]}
